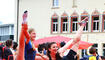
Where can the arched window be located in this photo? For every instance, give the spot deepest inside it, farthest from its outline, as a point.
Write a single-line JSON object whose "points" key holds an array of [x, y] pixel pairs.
{"points": [[84, 15], [95, 21], [54, 23], [64, 23], [103, 21], [74, 22]]}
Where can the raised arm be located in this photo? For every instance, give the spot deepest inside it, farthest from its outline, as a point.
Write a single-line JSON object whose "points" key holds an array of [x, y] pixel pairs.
{"points": [[23, 33], [75, 42], [24, 23]]}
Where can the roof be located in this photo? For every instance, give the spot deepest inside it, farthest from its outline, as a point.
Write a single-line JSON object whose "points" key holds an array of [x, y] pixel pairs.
{"points": [[2, 25]]}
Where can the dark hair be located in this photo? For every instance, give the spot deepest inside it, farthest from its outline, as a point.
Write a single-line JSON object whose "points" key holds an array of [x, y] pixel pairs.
{"points": [[49, 46], [62, 44], [25, 11], [15, 45], [41, 47], [9, 43], [92, 50], [30, 30]]}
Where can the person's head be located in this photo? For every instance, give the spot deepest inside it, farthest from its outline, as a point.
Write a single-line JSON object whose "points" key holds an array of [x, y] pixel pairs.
{"points": [[32, 34], [92, 51], [62, 44], [52, 48], [9, 43], [40, 48], [25, 11], [15, 45]]}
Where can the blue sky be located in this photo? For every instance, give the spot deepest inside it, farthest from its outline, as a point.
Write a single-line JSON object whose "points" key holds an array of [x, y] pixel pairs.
{"points": [[7, 11]]}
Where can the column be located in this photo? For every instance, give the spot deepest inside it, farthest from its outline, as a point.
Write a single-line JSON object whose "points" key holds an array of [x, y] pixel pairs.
{"points": [[100, 49]]}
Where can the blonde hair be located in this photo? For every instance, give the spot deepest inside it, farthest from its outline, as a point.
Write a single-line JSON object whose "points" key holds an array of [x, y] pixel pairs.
{"points": [[30, 30]]}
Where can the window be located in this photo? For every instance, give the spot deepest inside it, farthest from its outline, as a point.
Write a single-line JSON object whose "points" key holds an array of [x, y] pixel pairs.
{"points": [[86, 27], [55, 3], [95, 23], [55, 25], [64, 24], [103, 49], [74, 24], [103, 23], [12, 30]]}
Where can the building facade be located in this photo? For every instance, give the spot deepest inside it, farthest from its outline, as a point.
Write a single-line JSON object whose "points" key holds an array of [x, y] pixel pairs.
{"points": [[6, 32], [61, 17]]}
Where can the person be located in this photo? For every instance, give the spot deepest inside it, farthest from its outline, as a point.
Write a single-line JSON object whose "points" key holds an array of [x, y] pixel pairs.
{"points": [[30, 51], [15, 45], [57, 54], [42, 52], [15, 49], [93, 55], [30, 37], [1, 50], [23, 35], [7, 51], [62, 44]]}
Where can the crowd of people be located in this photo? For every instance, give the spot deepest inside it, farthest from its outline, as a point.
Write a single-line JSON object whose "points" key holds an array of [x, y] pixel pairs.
{"points": [[26, 49]]}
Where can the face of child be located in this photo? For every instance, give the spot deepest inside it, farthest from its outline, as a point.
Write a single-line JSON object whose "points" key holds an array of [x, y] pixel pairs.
{"points": [[53, 49], [33, 35]]}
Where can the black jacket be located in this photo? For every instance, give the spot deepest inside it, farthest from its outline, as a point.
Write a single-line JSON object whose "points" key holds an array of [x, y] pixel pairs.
{"points": [[7, 53]]}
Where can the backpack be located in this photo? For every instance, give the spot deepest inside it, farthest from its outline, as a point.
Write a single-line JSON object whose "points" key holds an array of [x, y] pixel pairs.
{"points": [[90, 57]]}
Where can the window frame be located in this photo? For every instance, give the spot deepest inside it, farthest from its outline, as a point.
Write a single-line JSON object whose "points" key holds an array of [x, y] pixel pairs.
{"points": [[54, 23], [87, 23], [95, 21], [71, 29], [62, 18]]}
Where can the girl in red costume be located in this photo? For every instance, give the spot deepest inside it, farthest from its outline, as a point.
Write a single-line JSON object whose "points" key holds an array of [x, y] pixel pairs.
{"points": [[26, 47], [24, 34]]}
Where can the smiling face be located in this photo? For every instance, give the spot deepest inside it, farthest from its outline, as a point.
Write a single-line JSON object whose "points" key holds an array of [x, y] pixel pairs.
{"points": [[32, 35], [53, 49]]}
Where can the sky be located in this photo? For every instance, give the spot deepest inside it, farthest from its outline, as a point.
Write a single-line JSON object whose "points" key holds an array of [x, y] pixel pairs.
{"points": [[7, 11]]}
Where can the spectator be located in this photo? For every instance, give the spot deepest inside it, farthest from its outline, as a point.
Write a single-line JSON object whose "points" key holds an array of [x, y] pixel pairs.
{"points": [[8, 50]]}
